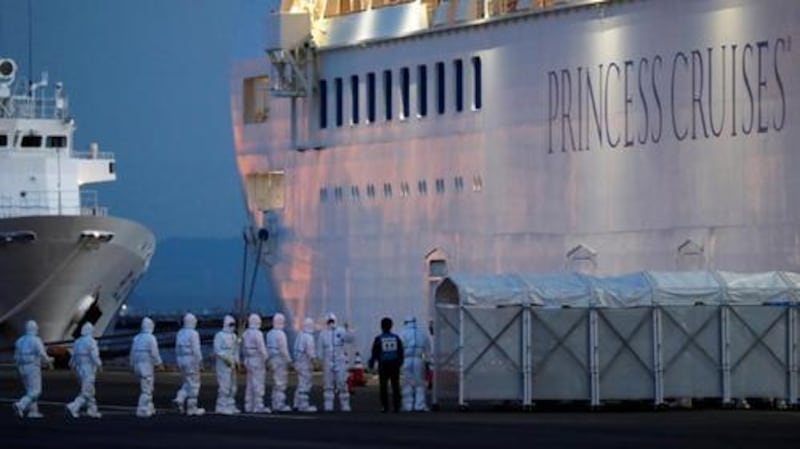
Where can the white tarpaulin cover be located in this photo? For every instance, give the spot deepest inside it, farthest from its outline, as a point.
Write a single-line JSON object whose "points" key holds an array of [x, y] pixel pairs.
{"points": [[644, 288]]}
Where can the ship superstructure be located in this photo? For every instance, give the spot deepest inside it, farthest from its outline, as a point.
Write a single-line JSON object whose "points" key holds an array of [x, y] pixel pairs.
{"points": [[63, 260], [384, 145]]}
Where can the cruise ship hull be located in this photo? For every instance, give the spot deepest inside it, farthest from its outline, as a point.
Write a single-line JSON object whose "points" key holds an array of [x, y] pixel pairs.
{"points": [[68, 274], [612, 138]]}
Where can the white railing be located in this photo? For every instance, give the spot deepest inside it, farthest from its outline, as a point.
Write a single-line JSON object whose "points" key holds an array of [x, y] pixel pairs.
{"points": [[51, 203]]}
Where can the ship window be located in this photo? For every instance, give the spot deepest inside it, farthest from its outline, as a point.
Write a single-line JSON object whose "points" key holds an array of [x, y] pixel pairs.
{"points": [[370, 97], [371, 190], [404, 189], [422, 90], [437, 268], [323, 194], [56, 141], [323, 103], [477, 183], [458, 66], [440, 185], [422, 187], [3, 140], [477, 99], [31, 141], [339, 101], [387, 190], [440, 96], [458, 183], [354, 91], [255, 93], [387, 93], [405, 83], [355, 193], [337, 193]]}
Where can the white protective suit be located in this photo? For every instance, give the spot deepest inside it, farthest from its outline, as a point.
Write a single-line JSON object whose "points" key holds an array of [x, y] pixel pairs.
{"points": [[417, 348], [279, 361], [334, 364], [190, 359], [30, 355], [85, 360], [304, 355], [143, 359], [254, 352], [226, 350]]}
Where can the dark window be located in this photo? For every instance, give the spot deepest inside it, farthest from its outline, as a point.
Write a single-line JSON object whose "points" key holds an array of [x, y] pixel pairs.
{"points": [[339, 101], [323, 194], [56, 141], [422, 187], [458, 66], [387, 93], [440, 96], [3, 140], [422, 90], [440, 185], [458, 183], [405, 83], [355, 193], [323, 103], [337, 193], [476, 76], [354, 91], [371, 190], [387, 190], [371, 97], [31, 141]]}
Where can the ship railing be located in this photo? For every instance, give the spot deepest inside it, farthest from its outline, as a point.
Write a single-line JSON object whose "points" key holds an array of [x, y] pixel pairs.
{"points": [[104, 155], [35, 104], [452, 10], [29, 203]]}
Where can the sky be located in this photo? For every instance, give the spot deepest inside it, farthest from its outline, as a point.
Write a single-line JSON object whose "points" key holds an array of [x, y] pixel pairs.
{"points": [[149, 81]]}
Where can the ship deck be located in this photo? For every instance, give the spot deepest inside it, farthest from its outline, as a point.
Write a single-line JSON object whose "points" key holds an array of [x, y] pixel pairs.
{"points": [[365, 427]]}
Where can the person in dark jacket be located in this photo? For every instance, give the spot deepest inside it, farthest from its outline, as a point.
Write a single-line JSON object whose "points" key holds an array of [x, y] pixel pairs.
{"points": [[387, 351]]}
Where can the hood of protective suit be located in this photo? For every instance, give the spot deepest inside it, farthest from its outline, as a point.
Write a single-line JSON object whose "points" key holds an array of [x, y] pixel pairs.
{"points": [[278, 321], [189, 321], [31, 328], [87, 330], [330, 319], [228, 324], [254, 321], [308, 325], [148, 325]]}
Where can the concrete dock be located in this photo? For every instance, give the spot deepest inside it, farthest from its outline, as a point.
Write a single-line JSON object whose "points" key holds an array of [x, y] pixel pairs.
{"points": [[365, 427]]}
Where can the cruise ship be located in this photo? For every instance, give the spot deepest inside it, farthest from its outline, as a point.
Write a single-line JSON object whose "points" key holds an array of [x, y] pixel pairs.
{"points": [[383, 145], [63, 260]]}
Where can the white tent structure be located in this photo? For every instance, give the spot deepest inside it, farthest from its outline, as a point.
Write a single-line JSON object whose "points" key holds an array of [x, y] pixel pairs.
{"points": [[643, 336]]}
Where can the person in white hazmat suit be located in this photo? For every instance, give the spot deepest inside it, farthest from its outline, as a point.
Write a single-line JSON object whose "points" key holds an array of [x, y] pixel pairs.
{"points": [[279, 361], [85, 360], [190, 359], [144, 358], [254, 352], [334, 364], [30, 355], [417, 348], [226, 350], [304, 355]]}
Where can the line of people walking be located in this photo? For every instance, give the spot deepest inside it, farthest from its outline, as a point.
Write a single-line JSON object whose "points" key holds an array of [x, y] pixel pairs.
{"points": [[254, 351]]}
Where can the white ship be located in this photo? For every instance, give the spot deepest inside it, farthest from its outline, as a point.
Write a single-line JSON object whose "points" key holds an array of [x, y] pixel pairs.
{"points": [[63, 260], [385, 144]]}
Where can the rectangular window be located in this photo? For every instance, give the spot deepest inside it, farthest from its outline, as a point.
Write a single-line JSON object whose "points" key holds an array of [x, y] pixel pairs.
{"points": [[458, 67], [405, 92], [255, 93], [56, 141], [422, 90], [387, 94], [440, 96], [31, 141], [477, 101], [323, 104], [354, 91], [338, 85], [371, 97], [3, 140]]}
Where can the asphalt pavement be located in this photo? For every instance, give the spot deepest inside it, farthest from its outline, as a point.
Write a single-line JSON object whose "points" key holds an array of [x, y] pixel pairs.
{"points": [[366, 427]]}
